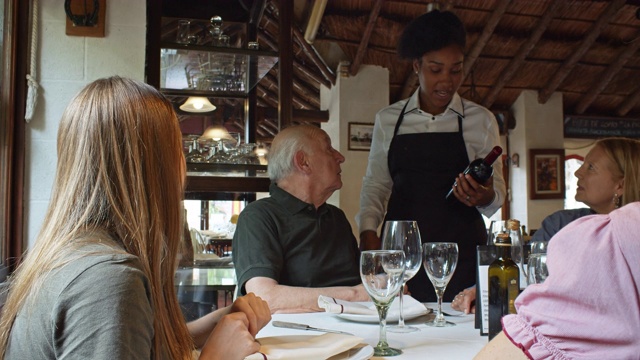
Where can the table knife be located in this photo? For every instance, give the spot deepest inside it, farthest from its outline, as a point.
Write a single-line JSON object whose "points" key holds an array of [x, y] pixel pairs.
{"points": [[290, 325]]}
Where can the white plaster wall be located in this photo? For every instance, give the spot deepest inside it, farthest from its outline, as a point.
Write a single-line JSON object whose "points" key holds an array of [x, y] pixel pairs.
{"points": [[64, 65], [538, 126], [353, 99]]}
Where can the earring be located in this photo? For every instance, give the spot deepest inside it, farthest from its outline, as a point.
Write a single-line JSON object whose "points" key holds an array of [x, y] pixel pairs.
{"points": [[616, 200]]}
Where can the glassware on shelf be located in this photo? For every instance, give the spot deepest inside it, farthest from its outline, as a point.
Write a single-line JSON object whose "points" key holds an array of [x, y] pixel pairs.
{"points": [[184, 31]]}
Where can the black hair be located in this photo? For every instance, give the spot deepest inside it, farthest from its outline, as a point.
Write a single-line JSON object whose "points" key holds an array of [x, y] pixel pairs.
{"points": [[431, 31]]}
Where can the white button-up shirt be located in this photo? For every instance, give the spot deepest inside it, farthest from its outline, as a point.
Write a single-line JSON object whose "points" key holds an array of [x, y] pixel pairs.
{"points": [[480, 133]]}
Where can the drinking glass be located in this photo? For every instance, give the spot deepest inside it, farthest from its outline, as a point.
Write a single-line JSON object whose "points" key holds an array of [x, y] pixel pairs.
{"points": [[404, 235], [381, 272], [184, 30], [537, 263], [537, 269], [496, 227], [440, 260]]}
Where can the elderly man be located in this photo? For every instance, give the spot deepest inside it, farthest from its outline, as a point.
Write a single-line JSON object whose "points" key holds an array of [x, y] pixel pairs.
{"points": [[292, 247]]}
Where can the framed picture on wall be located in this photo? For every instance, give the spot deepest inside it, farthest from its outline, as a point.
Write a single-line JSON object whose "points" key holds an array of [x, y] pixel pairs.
{"points": [[546, 173], [360, 135]]}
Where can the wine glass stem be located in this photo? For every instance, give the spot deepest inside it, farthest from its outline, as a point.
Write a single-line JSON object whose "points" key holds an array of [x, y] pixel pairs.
{"points": [[401, 318], [382, 312], [439, 293]]}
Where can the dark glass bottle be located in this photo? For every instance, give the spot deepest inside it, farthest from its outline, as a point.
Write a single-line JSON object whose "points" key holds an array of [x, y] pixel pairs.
{"points": [[504, 284], [481, 169]]}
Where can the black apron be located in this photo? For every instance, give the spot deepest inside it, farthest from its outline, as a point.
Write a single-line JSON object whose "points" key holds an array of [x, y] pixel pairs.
{"points": [[423, 167]]}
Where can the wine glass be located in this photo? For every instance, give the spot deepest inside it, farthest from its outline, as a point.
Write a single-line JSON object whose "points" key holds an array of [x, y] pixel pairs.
{"points": [[537, 263], [440, 260], [404, 235], [381, 273]]}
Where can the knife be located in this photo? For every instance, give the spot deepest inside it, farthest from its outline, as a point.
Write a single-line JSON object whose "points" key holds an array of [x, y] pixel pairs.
{"points": [[290, 325]]}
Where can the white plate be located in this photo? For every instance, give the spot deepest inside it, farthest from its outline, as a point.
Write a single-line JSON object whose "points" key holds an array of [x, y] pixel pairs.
{"points": [[391, 316], [359, 352]]}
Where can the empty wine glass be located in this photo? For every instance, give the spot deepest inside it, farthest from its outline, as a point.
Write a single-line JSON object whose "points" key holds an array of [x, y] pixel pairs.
{"points": [[537, 263], [381, 272], [440, 260], [404, 235]]}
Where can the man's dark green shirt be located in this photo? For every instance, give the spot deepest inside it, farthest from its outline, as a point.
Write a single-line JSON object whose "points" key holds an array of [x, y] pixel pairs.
{"points": [[288, 240]]}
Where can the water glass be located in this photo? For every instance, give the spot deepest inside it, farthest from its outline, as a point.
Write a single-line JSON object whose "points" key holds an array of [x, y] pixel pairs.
{"points": [[537, 269]]}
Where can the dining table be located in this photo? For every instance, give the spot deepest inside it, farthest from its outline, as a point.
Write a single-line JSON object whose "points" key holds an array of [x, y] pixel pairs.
{"points": [[461, 341]]}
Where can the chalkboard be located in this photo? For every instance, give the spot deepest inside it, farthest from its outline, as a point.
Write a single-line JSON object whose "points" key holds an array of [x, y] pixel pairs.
{"points": [[598, 127]]}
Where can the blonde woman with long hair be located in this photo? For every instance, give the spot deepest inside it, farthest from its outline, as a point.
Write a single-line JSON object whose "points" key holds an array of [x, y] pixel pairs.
{"points": [[98, 283]]}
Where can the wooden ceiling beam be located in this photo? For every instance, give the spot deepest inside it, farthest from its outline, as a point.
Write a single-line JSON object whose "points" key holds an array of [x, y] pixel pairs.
{"points": [[524, 50], [568, 65], [267, 96], [309, 51], [629, 103], [364, 42], [313, 55], [297, 65], [488, 30], [588, 98]]}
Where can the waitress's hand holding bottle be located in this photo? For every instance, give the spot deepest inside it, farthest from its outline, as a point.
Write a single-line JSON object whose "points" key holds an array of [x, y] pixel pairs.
{"points": [[472, 193]]}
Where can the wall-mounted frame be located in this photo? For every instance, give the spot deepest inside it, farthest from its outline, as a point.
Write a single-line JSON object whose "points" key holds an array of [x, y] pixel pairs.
{"points": [[546, 173], [360, 136]]}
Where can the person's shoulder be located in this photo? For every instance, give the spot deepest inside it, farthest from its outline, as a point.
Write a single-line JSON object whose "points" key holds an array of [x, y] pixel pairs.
{"points": [[392, 110], [625, 223], [569, 214], [474, 108]]}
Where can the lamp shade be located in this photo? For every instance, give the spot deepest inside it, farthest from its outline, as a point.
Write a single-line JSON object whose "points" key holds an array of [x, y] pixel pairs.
{"points": [[197, 104]]}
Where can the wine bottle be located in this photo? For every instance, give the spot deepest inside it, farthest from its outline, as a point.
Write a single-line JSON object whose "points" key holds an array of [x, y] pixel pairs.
{"points": [[504, 284], [480, 169]]}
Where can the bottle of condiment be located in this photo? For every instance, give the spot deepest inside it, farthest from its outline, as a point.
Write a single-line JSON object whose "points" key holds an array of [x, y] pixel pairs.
{"points": [[481, 169], [504, 284]]}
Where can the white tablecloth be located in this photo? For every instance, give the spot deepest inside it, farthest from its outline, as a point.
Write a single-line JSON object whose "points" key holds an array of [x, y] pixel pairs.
{"points": [[462, 341]]}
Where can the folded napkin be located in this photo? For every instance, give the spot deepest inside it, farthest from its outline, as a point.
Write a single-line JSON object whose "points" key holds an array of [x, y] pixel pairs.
{"points": [[304, 347], [337, 306]]}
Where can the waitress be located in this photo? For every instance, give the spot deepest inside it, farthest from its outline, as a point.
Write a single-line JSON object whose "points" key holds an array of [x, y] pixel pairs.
{"points": [[420, 147]]}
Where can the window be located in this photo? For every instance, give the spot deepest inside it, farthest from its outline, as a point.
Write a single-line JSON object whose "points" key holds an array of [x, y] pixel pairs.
{"points": [[571, 164]]}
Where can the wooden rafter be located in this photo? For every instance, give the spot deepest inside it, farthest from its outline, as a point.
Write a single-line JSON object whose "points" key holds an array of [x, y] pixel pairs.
{"points": [[309, 51], [364, 42], [313, 55], [487, 31], [524, 50], [629, 103], [584, 46], [611, 71]]}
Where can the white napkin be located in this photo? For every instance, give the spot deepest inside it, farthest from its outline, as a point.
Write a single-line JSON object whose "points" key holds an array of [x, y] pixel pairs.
{"points": [[337, 306], [304, 347]]}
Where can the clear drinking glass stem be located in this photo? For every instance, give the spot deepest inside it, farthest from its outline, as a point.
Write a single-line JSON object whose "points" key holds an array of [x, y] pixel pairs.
{"points": [[382, 312], [440, 316], [401, 317]]}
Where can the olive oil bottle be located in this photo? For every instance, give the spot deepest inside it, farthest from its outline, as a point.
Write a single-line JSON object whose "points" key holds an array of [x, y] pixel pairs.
{"points": [[504, 284]]}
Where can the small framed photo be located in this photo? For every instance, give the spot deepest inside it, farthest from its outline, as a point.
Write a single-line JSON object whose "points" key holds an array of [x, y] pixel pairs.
{"points": [[360, 136], [546, 176]]}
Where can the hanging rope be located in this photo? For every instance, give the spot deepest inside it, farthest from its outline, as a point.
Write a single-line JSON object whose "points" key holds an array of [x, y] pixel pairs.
{"points": [[32, 91]]}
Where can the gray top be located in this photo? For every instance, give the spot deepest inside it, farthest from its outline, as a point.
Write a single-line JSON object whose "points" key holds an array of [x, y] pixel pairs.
{"points": [[288, 240], [556, 221], [95, 307]]}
